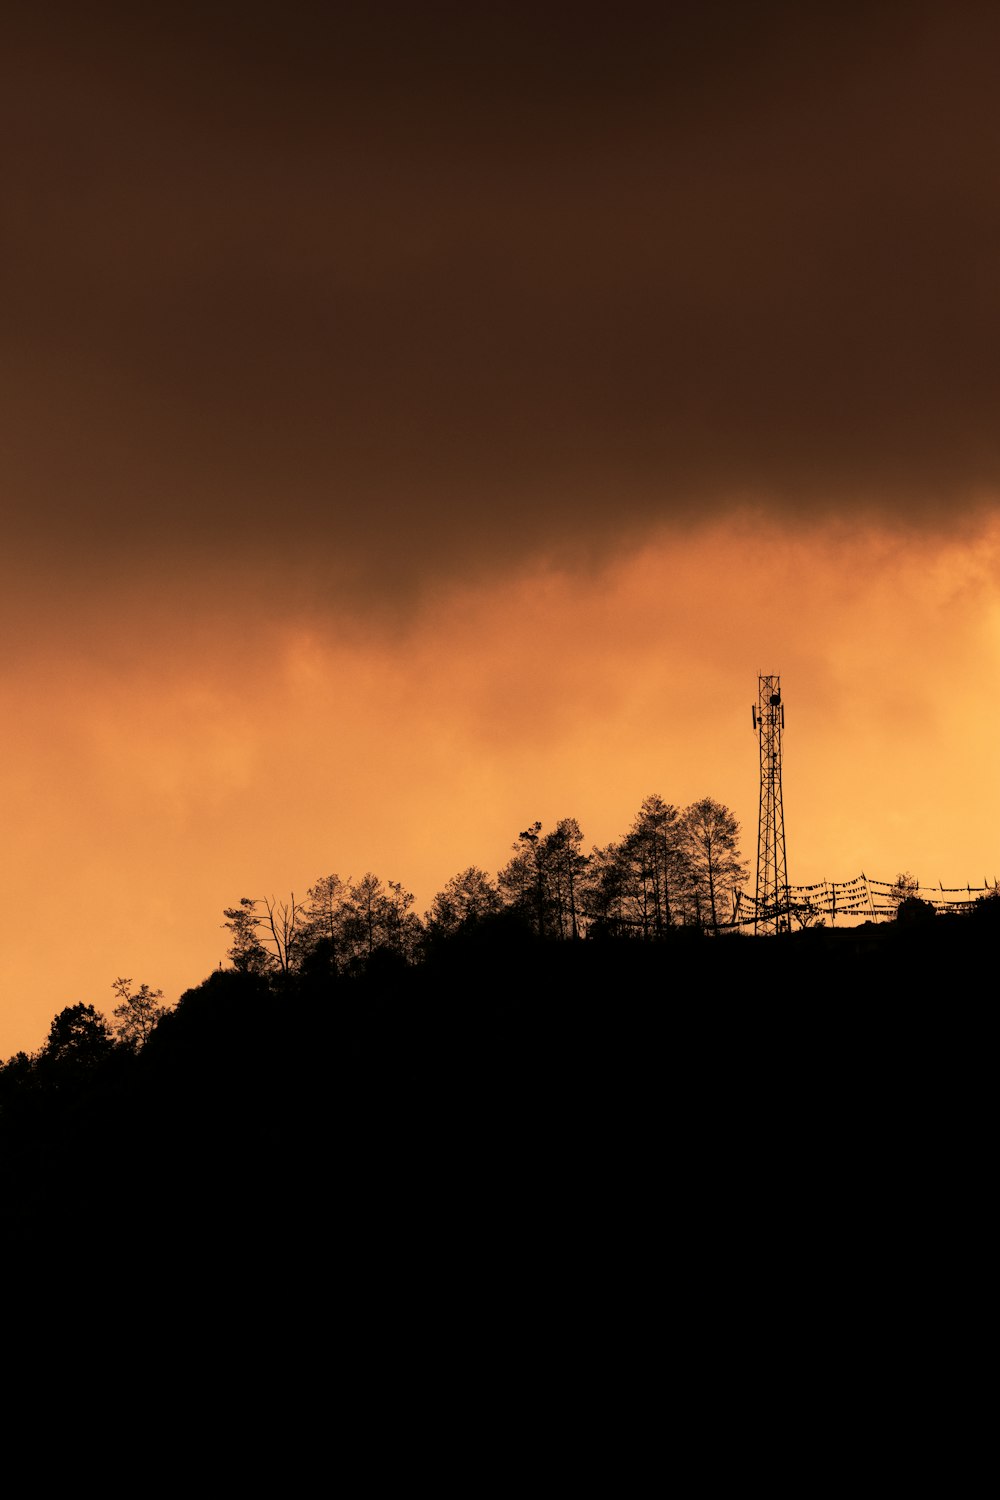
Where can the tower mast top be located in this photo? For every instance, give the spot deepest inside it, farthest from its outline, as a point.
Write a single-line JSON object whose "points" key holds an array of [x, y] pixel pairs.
{"points": [[772, 907]]}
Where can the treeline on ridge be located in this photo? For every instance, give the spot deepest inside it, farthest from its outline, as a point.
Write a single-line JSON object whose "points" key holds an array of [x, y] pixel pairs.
{"points": [[530, 1030], [674, 868]]}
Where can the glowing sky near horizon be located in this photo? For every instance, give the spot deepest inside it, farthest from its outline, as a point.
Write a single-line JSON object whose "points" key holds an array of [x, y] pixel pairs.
{"points": [[414, 425]]}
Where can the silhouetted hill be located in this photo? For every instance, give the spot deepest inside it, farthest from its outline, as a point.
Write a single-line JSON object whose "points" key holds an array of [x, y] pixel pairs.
{"points": [[508, 1086]]}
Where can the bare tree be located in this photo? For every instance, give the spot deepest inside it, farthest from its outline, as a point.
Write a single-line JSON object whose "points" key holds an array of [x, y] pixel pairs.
{"points": [[284, 931]]}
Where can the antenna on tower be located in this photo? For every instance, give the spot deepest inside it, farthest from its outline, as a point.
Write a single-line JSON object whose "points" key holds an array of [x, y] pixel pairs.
{"points": [[772, 914]]}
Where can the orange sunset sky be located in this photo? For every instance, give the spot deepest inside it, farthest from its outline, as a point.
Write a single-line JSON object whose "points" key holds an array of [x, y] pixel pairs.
{"points": [[420, 420]]}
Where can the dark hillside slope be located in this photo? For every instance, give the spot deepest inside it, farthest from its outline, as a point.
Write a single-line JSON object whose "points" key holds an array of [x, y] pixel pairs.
{"points": [[509, 1087]]}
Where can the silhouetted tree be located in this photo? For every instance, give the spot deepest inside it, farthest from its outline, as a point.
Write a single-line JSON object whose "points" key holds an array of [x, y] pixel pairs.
{"points": [[806, 914], [523, 881], [640, 886], [606, 893], [985, 910], [913, 912], [467, 898], [565, 867], [246, 952], [137, 1013], [284, 932], [710, 838], [18, 1075], [324, 916], [79, 1036], [903, 888], [544, 881], [402, 929], [374, 916], [658, 862]]}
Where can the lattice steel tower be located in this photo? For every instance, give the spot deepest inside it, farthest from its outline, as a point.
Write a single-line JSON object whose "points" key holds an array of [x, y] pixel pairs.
{"points": [[772, 913]]}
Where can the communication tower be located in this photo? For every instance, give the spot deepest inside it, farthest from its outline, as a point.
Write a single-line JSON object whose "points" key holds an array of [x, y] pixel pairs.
{"points": [[772, 913]]}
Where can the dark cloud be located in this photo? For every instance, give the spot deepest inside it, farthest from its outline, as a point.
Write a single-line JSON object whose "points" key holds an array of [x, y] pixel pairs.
{"points": [[396, 289]]}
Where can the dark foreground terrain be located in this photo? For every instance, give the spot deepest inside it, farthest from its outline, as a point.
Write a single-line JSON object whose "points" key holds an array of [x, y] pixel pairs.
{"points": [[653, 1099]]}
